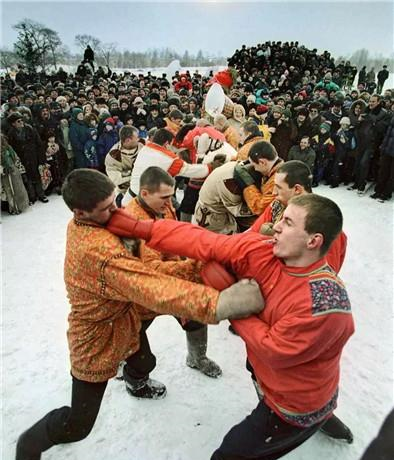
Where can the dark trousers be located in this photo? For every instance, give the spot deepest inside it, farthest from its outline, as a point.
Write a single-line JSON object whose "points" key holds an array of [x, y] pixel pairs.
{"points": [[385, 182], [361, 168], [262, 436], [70, 424], [33, 188]]}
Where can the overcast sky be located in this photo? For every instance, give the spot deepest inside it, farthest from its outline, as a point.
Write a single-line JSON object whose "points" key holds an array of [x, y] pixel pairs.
{"points": [[215, 27]]}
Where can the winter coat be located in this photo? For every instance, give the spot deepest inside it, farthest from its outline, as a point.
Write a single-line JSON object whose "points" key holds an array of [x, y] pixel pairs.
{"points": [[119, 163], [28, 146], [243, 152], [11, 180], [281, 139], [78, 135], [387, 147], [104, 144], [307, 155]]}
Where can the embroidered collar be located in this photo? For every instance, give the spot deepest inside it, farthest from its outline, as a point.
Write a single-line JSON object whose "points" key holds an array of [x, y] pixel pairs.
{"points": [[299, 272]]}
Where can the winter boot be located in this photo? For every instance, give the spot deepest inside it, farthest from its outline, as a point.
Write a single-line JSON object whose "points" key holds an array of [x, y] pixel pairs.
{"points": [[197, 349], [34, 441], [144, 388], [336, 429]]}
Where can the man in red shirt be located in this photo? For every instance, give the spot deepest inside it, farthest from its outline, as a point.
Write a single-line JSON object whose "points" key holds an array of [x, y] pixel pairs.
{"points": [[294, 345], [294, 178]]}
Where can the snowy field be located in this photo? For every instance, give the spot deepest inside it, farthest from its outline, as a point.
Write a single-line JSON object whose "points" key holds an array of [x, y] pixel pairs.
{"points": [[191, 421]]}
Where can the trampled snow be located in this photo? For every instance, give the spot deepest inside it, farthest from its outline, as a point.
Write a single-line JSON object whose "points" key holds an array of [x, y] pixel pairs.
{"points": [[197, 412]]}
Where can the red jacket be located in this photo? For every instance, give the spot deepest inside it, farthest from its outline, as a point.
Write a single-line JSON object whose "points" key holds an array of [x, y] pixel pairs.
{"points": [[335, 255], [295, 344]]}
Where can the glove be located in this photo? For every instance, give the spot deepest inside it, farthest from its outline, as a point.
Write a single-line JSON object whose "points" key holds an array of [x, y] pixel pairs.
{"points": [[122, 224], [240, 300], [242, 176]]}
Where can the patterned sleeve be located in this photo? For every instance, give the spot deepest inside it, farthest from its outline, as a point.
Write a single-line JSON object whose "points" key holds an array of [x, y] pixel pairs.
{"points": [[127, 279], [258, 201]]}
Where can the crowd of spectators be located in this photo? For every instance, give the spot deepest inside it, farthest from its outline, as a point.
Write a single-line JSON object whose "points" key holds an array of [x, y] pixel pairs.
{"points": [[310, 108]]}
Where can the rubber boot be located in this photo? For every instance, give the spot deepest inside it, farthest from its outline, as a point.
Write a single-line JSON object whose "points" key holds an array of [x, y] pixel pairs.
{"points": [[34, 441], [144, 387], [197, 349], [336, 429]]}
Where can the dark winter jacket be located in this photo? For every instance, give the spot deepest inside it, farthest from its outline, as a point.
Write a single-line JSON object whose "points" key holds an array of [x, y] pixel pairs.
{"points": [[28, 146], [307, 155], [106, 141], [387, 147], [79, 135]]}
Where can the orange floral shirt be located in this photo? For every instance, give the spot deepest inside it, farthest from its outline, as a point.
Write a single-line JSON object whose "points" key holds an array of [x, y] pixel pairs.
{"points": [[105, 285]]}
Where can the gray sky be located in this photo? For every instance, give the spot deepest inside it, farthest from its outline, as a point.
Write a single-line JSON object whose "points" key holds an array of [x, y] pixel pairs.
{"points": [[214, 26]]}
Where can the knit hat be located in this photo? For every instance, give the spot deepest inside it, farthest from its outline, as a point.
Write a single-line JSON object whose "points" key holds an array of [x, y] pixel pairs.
{"points": [[277, 108], [261, 108], [328, 76], [345, 121], [14, 117], [326, 125], [109, 121], [287, 113], [138, 100], [112, 101]]}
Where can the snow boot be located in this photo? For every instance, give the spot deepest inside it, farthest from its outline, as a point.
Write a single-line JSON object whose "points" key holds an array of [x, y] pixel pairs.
{"points": [[197, 349], [336, 429], [144, 388], [34, 441]]}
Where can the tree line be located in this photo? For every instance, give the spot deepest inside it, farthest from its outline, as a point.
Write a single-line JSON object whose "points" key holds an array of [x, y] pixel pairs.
{"points": [[38, 47]]}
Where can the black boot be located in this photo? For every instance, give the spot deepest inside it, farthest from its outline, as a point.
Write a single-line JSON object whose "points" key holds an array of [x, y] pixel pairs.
{"points": [[34, 441], [336, 429], [144, 388]]}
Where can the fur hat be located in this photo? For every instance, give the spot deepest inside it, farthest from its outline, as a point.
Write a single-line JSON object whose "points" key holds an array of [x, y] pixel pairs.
{"points": [[277, 108], [345, 121], [303, 111], [138, 100], [14, 117]]}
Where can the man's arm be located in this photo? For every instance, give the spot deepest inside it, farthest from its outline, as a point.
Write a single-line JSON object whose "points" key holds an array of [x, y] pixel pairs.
{"points": [[294, 339], [257, 200]]}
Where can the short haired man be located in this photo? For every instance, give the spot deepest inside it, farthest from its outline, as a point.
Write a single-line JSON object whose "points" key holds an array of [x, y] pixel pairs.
{"points": [[263, 159], [302, 330], [107, 286], [249, 134], [119, 161], [174, 121], [154, 202], [303, 152], [157, 153]]}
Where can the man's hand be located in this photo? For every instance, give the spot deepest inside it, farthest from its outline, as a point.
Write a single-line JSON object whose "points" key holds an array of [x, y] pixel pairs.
{"points": [[218, 161], [123, 224], [240, 300], [242, 176], [267, 229]]}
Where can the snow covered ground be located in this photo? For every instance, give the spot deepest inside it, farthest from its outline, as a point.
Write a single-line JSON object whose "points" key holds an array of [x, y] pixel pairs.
{"points": [[191, 421]]}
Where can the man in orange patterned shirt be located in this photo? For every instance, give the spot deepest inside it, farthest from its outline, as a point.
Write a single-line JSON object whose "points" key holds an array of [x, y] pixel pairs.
{"points": [[154, 202], [107, 286]]}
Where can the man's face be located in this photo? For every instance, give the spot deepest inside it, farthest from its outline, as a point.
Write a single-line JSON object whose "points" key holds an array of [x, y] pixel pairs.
{"points": [[177, 121], [101, 214], [242, 135], [304, 144], [261, 166], [301, 118], [290, 238], [160, 200], [336, 109], [373, 102], [282, 191], [130, 142]]}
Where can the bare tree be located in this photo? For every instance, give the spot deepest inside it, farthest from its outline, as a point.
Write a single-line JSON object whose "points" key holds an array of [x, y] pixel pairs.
{"points": [[7, 59], [107, 50], [84, 40]]}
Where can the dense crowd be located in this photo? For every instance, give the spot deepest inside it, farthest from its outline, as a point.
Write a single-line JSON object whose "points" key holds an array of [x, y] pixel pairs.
{"points": [[302, 102]]}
